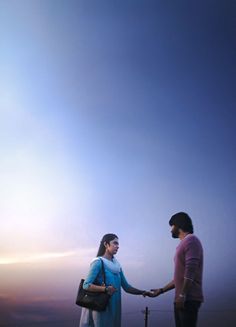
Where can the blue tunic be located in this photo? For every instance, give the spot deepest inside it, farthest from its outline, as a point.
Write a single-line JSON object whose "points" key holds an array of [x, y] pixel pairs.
{"points": [[111, 317]]}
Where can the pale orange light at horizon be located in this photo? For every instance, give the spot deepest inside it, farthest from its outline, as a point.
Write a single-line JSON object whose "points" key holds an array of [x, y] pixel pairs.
{"points": [[45, 256], [35, 258]]}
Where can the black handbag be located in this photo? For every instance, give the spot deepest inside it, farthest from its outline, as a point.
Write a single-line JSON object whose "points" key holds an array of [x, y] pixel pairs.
{"points": [[97, 301]]}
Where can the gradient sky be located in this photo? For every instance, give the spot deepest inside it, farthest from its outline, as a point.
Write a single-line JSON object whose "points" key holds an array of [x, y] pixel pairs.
{"points": [[114, 115]]}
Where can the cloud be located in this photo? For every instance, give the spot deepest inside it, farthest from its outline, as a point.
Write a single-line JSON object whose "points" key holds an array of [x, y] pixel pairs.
{"points": [[45, 256]]}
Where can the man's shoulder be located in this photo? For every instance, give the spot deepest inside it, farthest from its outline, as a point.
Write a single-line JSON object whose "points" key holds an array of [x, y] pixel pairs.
{"points": [[192, 239]]}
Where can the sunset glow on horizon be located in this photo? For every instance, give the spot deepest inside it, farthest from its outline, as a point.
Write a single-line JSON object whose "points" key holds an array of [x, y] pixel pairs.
{"points": [[34, 258]]}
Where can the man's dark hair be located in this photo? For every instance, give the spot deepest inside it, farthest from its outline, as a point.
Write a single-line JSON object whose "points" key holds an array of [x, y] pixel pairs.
{"points": [[183, 221]]}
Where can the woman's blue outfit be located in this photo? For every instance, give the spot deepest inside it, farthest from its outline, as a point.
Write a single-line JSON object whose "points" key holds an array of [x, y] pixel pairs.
{"points": [[111, 317]]}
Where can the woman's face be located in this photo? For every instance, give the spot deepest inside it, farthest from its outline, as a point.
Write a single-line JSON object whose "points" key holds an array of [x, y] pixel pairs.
{"points": [[112, 247]]}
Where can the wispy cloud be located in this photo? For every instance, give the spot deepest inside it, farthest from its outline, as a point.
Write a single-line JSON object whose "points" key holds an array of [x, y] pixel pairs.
{"points": [[41, 257]]}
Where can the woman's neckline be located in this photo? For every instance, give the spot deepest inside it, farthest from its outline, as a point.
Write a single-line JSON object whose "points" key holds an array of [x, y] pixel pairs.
{"points": [[111, 260]]}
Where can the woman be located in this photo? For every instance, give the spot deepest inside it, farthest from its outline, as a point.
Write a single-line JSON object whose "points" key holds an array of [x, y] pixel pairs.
{"points": [[115, 279]]}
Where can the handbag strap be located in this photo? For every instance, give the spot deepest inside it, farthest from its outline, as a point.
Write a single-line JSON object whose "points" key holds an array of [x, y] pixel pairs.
{"points": [[103, 272]]}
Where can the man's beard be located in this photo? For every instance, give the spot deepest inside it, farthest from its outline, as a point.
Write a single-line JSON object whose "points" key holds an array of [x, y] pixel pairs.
{"points": [[175, 232]]}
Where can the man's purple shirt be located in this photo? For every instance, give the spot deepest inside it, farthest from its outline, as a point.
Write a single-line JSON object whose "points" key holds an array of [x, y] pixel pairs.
{"points": [[189, 264]]}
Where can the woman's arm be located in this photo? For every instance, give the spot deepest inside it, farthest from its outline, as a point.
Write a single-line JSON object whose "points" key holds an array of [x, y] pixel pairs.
{"points": [[94, 270], [135, 291], [97, 288], [89, 285], [128, 288], [103, 289]]}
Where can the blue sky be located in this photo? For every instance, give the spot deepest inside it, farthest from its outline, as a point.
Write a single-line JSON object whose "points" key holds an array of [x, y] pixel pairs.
{"points": [[113, 116]]}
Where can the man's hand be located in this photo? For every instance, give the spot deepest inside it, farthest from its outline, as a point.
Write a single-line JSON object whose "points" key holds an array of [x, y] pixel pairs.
{"points": [[156, 292], [179, 303], [148, 293]]}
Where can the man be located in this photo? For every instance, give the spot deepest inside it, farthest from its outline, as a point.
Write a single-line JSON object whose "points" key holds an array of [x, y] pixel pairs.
{"points": [[187, 273]]}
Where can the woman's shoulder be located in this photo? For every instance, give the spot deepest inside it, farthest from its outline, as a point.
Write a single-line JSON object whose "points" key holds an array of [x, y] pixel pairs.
{"points": [[96, 261]]}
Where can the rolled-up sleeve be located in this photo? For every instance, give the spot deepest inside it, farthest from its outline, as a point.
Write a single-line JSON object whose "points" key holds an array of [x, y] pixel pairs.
{"points": [[94, 270]]}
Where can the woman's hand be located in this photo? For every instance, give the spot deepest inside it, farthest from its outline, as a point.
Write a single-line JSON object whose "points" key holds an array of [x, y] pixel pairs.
{"points": [[110, 289], [147, 293]]}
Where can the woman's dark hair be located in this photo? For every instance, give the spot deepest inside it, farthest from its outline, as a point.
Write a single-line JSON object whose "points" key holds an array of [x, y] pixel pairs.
{"points": [[183, 221], [107, 238]]}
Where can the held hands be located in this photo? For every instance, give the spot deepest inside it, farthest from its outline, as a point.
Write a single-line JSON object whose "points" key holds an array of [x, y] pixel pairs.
{"points": [[153, 292], [147, 293], [156, 292]]}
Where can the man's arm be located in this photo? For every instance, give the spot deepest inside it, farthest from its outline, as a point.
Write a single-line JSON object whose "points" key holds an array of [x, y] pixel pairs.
{"points": [[186, 286], [182, 296], [157, 291]]}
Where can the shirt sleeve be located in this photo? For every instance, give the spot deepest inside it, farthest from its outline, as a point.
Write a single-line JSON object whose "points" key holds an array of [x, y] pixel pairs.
{"points": [[193, 253], [94, 270], [124, 284]]}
